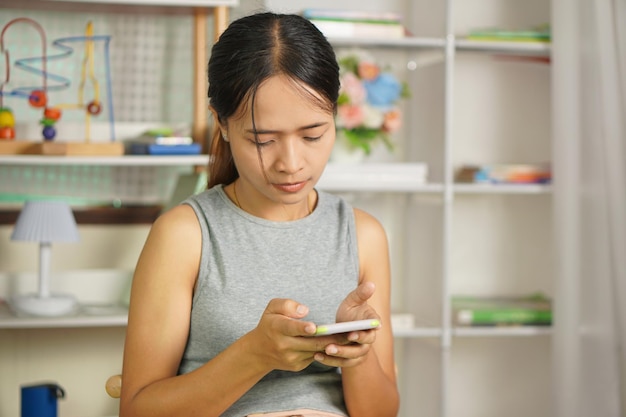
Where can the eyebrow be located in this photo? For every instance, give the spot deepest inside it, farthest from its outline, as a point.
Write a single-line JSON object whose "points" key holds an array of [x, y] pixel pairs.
{"points": [[268, 132]]}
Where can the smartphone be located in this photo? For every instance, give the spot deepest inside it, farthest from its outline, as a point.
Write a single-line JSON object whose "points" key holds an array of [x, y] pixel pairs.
{"points": [[347, 326]]}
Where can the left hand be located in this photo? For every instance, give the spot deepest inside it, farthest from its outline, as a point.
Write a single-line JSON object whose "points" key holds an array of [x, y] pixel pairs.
{"points": [[350, 349]]}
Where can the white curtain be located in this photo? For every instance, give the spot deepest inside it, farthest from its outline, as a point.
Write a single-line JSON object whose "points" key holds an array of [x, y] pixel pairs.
{"points": [[589, 154]]}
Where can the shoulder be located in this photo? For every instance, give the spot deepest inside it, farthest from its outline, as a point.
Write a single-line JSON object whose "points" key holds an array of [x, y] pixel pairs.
{"points": [[172, 249], [176, 230], [368, 227], [207, 199], [180, 219]]}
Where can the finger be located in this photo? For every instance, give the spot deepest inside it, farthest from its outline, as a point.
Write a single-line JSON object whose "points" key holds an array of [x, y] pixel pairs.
{"points": [[290, 309], [361, 294], [286, 307], [347, 355], [362, 337]]}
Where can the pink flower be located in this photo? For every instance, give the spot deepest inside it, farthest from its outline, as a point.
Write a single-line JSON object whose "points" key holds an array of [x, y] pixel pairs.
{"points": [[368, 70], [349, 116], [352, 87], [393, 121]]}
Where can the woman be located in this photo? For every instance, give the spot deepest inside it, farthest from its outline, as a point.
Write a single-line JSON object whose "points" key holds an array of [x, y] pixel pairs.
{"points": [[231, 284]]}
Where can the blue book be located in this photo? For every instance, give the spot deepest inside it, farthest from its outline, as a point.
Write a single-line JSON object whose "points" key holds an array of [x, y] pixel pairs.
{"points": [[155, 149]]}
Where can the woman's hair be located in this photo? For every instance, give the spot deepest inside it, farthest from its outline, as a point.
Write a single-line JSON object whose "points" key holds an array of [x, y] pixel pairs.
{"points": [[253, 49]]}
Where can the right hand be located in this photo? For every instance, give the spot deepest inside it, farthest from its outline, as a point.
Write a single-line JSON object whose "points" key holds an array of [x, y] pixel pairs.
{"points": [[280, 336]]}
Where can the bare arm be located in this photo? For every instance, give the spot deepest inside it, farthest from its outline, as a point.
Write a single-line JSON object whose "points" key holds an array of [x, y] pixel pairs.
{"points": [[158, 326], [368, 365]]}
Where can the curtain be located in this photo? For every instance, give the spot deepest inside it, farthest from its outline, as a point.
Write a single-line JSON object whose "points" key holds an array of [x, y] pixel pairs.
{"points": [[589, 156]]}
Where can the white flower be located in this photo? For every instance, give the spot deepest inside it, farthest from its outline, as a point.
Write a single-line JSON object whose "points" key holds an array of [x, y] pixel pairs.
{"points": [[373, 118]]}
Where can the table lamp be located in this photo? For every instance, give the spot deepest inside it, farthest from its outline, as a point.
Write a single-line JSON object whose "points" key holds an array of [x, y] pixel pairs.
{"points": [[45, 222]]}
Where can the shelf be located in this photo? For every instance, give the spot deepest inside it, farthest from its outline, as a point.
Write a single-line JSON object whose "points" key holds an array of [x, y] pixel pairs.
{"points": [[502, 188], [506, 47], [181, 3], [158, 7], [126, 160], [418, 332], [403, 43], [377, 177], [503, 331], [116, 316], [88, 316], [430, 332], [509, 48]]}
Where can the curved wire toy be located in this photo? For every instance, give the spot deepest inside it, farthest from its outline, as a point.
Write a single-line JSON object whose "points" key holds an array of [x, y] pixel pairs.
{"points": [[38, 94]]}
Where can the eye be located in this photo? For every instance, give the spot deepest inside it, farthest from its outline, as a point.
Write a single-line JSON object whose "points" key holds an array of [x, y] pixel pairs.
{"points": [[261, 143], [312, 139]]}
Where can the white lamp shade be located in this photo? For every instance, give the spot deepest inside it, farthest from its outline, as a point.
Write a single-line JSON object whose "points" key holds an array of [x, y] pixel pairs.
{"points": [[46, 221]]}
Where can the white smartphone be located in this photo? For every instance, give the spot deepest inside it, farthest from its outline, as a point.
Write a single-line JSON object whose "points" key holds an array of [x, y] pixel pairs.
{"points": [[347, 326]]}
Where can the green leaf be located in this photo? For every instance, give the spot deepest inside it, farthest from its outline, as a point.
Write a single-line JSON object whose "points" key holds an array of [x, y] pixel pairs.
{"points": [[343, 99], [350, 63]]}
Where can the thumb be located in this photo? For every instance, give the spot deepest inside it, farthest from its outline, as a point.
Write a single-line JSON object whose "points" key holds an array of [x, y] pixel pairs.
{"points": [[286, 307], [361, 294]]}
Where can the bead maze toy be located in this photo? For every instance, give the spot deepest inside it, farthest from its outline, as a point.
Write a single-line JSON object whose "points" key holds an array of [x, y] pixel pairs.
{"points": [[38, 96]]}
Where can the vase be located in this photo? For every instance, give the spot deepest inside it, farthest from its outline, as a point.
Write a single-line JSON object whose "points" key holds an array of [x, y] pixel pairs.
{"points": [[344, 153]]}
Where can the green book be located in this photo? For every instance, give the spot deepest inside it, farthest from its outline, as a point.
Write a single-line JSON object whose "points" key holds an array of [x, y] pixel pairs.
{"points": [[537, 34], [533, 310]]}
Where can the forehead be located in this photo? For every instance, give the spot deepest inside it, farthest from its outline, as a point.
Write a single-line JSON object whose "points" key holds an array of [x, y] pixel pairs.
{"points": [[281, 103]]}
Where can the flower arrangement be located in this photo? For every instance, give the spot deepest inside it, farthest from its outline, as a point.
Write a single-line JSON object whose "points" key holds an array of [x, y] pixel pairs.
{"points": [[368, 102]]}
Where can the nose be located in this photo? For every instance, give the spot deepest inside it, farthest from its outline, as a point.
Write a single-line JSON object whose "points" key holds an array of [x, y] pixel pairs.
{"points": [[290, 156]]}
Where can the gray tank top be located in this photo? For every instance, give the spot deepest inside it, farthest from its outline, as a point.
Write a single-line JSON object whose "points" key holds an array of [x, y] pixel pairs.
{"points": [[246, 261]]}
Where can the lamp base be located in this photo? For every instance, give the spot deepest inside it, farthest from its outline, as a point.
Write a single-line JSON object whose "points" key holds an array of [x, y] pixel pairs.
{"points": [[54, 305]]}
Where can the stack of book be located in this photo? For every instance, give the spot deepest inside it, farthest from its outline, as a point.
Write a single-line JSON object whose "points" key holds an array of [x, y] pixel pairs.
{"points": [[162, 141], [356, 24], [536, 34], [531, 310], [505, 174]]}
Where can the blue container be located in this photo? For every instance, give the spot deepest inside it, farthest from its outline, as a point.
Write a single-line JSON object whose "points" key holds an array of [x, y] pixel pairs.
{"points": [[40, 400]]}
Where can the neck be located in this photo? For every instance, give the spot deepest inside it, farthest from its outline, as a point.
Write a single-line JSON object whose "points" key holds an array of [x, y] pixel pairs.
{"points": [[275, 212]]}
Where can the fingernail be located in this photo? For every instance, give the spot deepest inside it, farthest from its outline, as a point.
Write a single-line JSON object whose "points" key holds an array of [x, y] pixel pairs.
{"points": [[318, 357], [331, 350], [310, 329], [301, 309]]}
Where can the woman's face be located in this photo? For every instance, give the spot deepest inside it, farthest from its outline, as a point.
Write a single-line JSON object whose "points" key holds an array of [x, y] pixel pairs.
{"points": [[296, 137]]}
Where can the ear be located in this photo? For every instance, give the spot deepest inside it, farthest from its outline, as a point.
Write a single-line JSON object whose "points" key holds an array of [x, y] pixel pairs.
{"points": [[218, 124]]}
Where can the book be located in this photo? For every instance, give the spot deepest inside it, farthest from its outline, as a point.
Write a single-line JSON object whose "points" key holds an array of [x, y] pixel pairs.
{"points": [[352, 15], [156, 149], [534, 309], [505, 174], [356, 24], [537, 34], [163, 141], [359, 29]]}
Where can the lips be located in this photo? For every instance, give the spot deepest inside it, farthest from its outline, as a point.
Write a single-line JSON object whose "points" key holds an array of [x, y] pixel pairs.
{"points": [[293, 187]]}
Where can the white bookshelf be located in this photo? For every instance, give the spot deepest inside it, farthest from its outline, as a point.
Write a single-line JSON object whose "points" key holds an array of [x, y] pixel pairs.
{"points": [[87, 316], [166, 3], [81, 351], [430, 384], [127, 160]]}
